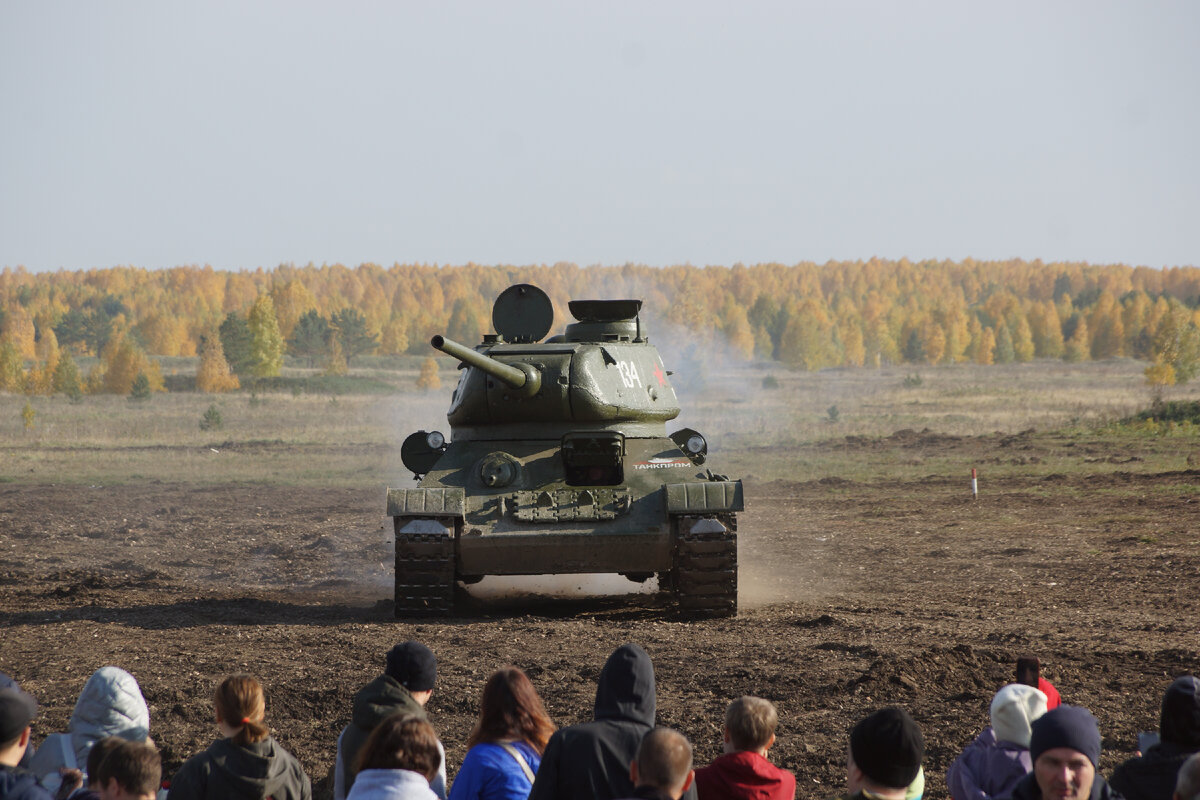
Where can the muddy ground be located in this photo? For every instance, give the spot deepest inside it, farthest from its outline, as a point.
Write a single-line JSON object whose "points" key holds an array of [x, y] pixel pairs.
{"points": [[854, 595]]}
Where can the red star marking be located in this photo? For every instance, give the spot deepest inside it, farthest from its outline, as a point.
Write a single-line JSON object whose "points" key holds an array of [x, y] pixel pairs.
{"points": [[658, 373]]}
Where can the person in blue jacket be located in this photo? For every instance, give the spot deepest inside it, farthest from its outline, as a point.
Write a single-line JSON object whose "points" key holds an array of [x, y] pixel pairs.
{"points": [[507, 742]]}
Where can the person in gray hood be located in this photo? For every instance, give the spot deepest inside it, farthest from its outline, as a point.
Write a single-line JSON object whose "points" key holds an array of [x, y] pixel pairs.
{"points": [[246, 763], [111, 704], [591, 759]]}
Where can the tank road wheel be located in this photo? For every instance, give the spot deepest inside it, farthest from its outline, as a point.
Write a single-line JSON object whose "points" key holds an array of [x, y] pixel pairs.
{"points": [[705, 574], [424, 568]]}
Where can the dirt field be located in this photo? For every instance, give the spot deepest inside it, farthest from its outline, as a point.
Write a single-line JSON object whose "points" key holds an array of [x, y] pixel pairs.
{"points": [[854, 595]]}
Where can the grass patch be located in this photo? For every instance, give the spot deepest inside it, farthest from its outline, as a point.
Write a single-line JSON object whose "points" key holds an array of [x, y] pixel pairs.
{"points": [[1172, 411], [297, 384], [324, 385], [308, 429]]}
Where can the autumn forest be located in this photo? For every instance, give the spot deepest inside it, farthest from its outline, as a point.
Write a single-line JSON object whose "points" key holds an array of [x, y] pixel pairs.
{"points": [[805, 316]]}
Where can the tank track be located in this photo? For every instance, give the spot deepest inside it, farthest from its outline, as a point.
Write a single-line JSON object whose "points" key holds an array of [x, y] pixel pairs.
{"points": [[705, 574], [424, 569]]}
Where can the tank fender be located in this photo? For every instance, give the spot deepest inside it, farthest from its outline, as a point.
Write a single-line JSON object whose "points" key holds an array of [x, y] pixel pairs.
{"points": [[704, 497], [439, 502]]}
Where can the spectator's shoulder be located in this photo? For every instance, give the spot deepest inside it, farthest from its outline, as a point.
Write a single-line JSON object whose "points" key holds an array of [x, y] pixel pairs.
{"points": [[19, 784]]}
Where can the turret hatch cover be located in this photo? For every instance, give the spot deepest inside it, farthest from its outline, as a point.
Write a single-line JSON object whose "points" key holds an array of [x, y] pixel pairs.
{"points": [[604, 310], [522, 314]]}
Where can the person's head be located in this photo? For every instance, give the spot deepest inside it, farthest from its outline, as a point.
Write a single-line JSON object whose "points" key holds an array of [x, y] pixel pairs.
{"points": [[750, 725], [131, 771], [886, 750], [17, 710], [511, 709], [1014, 708], [664, 762], [626, 687], [1065, 749], [1187, 782], [110, 702], [241, 709], [97, 754], [1179, 723], [413, 666], [1029, 669], [402, 741]]}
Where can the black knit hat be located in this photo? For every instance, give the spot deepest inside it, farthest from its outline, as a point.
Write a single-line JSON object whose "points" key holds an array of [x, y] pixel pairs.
{"points": [[888, 747], [413, 665], [1180, 719], [1066, 726], [17, 710]]}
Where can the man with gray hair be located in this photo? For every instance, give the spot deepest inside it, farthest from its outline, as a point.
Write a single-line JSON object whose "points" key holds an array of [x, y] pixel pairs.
{"points": [[1187, 785]]}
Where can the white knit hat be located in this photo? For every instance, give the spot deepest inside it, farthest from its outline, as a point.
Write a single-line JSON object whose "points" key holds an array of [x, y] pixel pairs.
{"points": [[1014, 708]]}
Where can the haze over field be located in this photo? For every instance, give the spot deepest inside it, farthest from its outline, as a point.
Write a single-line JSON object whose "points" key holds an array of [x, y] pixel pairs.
{"points": [[250, 135]]}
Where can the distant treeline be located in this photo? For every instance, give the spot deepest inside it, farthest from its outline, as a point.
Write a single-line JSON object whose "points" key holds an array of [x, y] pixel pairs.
{"points": [[807, 316]]}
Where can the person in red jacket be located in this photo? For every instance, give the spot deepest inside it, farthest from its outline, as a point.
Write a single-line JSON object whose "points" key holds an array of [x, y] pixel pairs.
{"points": [[1029, 672], [744, 773]]}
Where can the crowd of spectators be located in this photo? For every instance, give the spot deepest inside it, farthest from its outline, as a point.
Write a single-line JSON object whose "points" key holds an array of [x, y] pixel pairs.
{"points": [[1035, 748]]}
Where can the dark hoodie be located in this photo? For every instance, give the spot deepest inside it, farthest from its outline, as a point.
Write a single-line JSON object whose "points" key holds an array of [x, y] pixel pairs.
{"points": [[253, 772], [374, 703], [17, 784], [590, 761], [1151, 776]]}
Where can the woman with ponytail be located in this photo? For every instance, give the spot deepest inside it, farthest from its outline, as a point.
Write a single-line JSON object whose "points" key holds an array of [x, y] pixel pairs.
{"points": [[507, 742], [245, 763]]}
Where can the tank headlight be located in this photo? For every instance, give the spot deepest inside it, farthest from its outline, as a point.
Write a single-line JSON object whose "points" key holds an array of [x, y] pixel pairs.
{"points": [[695, 444], [435, 440]]}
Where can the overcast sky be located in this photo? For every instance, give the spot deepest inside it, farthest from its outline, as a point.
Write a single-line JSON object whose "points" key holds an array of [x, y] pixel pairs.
{"points": [[248, 134]]}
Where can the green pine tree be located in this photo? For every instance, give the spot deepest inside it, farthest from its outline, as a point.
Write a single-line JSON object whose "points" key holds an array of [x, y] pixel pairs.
{"points": [[350, 326], [310, 337], [237, 343]]}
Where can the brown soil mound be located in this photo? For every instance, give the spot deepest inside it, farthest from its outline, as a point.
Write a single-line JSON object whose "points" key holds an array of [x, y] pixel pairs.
{"points": [[854, 596]]}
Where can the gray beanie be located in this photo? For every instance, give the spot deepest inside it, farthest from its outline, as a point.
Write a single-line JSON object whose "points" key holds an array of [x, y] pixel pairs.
{"points": [[1014, 708]]}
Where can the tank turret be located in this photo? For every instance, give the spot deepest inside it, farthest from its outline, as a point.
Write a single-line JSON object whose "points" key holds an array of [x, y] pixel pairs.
{"points": [[518, 376], [601, 374], [559, 461]]}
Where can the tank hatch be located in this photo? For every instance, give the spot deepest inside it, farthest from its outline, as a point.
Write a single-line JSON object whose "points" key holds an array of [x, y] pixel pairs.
{"points": [[605, 321], [604, 310], [523, 314]]}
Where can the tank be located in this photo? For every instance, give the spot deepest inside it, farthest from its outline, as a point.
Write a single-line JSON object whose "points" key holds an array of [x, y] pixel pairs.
{"points": [[559, 461]]}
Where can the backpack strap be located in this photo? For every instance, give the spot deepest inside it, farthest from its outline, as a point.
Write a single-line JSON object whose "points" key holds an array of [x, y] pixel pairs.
{"points": [[67, 750], [515, 753]]}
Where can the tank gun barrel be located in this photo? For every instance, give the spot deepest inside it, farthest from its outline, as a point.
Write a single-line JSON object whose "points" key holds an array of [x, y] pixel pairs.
{"points": [[522, 377]]}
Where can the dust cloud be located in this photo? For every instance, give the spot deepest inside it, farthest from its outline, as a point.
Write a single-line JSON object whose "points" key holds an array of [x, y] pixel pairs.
{"points": [[494, 587], [720, 394]]}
